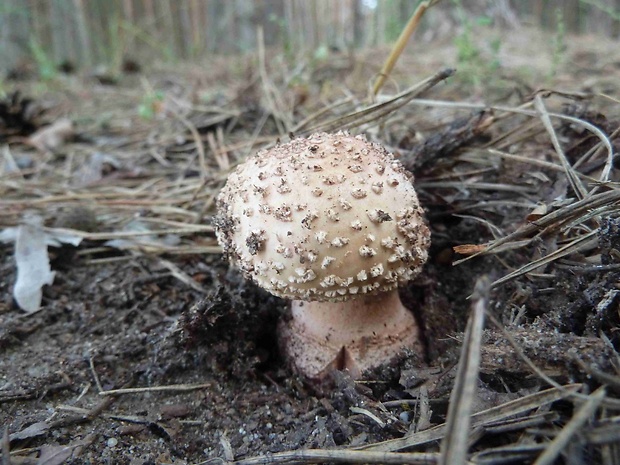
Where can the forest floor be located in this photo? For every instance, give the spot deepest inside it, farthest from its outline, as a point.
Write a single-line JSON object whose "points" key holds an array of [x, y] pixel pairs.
{"points": [[515, 162]]}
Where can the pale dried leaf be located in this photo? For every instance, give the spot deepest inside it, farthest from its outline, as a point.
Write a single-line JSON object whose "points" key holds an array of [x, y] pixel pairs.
{"points": [[8, 235], [53, 136], [469, 249], [32, 431], [53, 237], [537, 213], [92, 171], [130, 243], [33, 267], [54, 455]]}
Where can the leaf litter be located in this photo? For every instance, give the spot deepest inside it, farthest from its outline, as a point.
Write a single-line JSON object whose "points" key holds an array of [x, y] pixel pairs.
{"points": [[523, 190]]}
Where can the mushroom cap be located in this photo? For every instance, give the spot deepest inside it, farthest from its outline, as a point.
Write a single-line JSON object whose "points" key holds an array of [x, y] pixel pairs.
{"points": [[323, 218]]}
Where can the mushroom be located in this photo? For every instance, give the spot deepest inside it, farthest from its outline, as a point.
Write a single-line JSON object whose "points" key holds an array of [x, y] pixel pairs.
{"points": [[333, 222]]}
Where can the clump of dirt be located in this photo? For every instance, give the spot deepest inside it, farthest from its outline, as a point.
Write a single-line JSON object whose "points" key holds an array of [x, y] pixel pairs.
{"points": [[19, 116]]}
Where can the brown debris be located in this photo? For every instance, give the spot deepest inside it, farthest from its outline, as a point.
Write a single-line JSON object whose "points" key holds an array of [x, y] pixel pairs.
{"points": [[51, 138], [19, 116], [459, 133]]}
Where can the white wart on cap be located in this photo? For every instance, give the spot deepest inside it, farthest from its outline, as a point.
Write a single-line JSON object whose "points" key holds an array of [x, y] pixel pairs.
{"points": [[324, 218]]}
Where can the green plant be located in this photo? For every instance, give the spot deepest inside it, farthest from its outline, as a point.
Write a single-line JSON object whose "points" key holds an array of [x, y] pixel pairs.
{"points": [[321, 53], [288, 47], [394, 21], [466, 49], [45, 65], [473, 66], [116, 43], [559, 43], [150, 104], [496, 45]]}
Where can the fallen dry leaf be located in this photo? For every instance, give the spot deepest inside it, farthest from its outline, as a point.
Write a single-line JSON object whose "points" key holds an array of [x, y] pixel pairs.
{"points": [[32, 259], [52, 137], [469, 249], [32, 431], [537, 213], [33, 267], [54, 455]]}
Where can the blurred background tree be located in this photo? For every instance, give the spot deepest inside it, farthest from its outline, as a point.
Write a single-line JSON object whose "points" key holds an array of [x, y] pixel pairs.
{"points": [[87, 33]]}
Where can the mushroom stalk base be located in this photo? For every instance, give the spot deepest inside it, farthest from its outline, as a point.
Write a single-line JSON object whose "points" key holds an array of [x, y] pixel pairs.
{"points": [[355, 335]]}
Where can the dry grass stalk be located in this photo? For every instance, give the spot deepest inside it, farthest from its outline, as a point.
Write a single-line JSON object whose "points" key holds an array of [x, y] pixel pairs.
{"points": [[575, 182], [373, 114], [492, 416], [455, 442], [168, 388], [581, 416], [307, 456], [400, 43]]}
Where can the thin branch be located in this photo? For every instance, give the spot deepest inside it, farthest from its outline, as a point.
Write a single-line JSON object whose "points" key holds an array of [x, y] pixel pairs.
{"points": [[308, 456], [168, 388], [455, 441], [400, 44], [573, 179], [581, 416]]}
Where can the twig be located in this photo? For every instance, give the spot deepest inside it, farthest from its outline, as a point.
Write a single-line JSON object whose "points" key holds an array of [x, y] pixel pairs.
{"points": [[568, 249], [574, 181], [554, 219], [369, 414], [84, 417], [476, 185], [220, 156], [91, 363], [137, 419], [536, 162], [341, 456], [182, 276], [168, 388], [269, 91], [608, 402], [375, 112], [454, 444], [6, 447], [485, 417], [523, 111], [600, 376], [200, 147], [400, 44], [580, 417]]}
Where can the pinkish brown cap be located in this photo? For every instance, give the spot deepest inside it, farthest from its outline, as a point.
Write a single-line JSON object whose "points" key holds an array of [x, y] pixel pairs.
{"points": [[323, 218]]}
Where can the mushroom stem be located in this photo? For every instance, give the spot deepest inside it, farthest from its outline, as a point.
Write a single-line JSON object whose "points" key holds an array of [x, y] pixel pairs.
{"points": [[357, 334]]}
